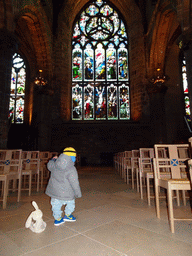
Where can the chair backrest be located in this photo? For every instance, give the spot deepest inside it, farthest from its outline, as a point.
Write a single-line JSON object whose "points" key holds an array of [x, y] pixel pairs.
{"points": [[135, 158], [145, 160], [31, 160], [175, 160], [135, 153], [52, 154], [10, 161], [190, 169], [146, 153], [44, 155]]}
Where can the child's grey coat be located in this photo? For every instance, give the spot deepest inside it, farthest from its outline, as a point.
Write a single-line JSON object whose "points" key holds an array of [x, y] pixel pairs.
{"points": [[63, 183]]}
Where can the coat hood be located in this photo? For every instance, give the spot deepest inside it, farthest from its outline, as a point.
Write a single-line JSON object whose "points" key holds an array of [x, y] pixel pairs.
{"points": [[64, 161]]}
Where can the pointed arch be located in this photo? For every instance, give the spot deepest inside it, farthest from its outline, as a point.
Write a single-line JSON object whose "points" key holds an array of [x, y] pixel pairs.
{"points": [[160, 39], [100, 77]]}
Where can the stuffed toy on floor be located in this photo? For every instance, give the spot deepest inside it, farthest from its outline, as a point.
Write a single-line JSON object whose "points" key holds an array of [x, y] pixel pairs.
{"points": [[35, 221]]}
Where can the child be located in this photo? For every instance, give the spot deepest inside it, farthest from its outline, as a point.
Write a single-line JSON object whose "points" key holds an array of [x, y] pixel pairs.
{"points": [[63, 186]]}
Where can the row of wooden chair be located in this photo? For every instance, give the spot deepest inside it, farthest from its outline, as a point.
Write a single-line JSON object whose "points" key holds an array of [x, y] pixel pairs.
{"points": [[22, 167], [167, 166]]}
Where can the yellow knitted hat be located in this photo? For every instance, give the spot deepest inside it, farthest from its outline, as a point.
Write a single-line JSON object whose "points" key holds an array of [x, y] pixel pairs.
{"points": [[69, 151]]}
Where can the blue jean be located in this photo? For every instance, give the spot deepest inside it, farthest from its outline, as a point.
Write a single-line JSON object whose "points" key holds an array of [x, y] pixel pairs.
{"points": [[57, 204]]}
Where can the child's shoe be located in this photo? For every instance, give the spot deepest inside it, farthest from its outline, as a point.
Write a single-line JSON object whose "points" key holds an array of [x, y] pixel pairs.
{"points": [[69, 218], [59, 222]]}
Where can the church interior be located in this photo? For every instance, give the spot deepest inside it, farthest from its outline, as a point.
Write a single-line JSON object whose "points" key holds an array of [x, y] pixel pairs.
{"points": [[158, 40], [102, 77]]}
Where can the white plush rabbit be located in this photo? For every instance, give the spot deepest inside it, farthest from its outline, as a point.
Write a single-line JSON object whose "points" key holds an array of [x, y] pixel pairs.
{"points": [[35, 221]]}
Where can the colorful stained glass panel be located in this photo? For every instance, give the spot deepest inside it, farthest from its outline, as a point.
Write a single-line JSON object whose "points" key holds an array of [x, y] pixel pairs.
{"points": [[112, 102], [17, 91], [77, 102], [89, 102], [100, 62], [100, 102], [88, 63], [123, 63], [124, 109], [77, 63], [111, 63]]}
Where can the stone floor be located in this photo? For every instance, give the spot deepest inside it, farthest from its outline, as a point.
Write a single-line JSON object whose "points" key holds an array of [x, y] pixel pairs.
{"points": [[111, 220]]}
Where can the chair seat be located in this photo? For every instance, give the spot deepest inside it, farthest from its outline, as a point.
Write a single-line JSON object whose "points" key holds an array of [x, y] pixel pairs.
{"points": [[176, 181]]}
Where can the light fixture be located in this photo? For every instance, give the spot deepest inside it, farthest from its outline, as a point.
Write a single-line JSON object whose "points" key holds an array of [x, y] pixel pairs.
{"points": [[159, 79], [40, 80]]}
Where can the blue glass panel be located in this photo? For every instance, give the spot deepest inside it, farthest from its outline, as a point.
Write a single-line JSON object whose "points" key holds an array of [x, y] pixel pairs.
{"points": [[92, 10], [99, 2]]}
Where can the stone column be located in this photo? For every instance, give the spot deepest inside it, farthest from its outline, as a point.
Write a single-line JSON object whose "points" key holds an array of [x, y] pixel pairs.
{"points": [[157, 112], [8, 46], [42, 120]]}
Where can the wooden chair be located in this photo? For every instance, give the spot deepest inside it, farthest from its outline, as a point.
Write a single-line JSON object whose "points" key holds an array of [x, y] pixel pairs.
{"points": [[160, 153], [30, 168], [127, 163], [10, 169], [44, 158], [145, 166], [134, 167], [190, 170], [177, 155]]}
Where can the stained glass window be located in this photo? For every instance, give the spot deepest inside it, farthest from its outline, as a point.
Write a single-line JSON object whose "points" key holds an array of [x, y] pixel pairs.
{"points": [[100, 74], [185, 90], [17, 93]]}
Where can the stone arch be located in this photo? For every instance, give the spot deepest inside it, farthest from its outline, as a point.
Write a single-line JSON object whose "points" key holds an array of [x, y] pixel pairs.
{"points": [[164, 28], [32, 29], [62, 50], [36, 46]]}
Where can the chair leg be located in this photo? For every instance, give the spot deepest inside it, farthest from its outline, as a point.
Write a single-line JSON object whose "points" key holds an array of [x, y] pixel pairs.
{"points": [[127, 175], [184, 197], [141, 185], [137, 177], [157, 199], [132, 173], [30, 182], [170, 208], [38, 176], [5, 193], [148, 191], [42, 174], [178, 199], [19, 190]]}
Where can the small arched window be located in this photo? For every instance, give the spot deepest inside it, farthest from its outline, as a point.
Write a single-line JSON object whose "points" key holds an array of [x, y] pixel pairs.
{"points": [[17, 93], [100, 75], [186, 92]]}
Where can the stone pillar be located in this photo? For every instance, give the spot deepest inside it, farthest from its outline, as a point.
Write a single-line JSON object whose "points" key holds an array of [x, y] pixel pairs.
{"points": [[157, 112], [42, 118], [8, 46]]}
